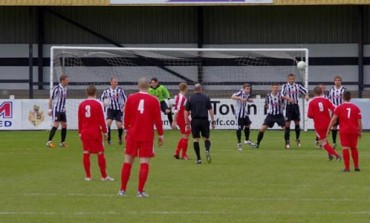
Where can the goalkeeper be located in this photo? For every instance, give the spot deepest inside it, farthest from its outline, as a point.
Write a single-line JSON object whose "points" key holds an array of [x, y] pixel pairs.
{"points": [[159, 91]]}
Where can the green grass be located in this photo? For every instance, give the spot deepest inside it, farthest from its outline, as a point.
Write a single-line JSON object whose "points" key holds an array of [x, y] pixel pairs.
{"points": [[270, 184]]}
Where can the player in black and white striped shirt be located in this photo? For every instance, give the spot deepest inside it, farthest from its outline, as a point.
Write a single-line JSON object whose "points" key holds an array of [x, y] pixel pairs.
{"points": [[290, 92], [114, 99], [242, 97], [336, 97], [57, 110], [274, 103]]}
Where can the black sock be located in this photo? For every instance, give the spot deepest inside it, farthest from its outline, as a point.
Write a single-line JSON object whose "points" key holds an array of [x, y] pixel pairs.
{"points": [[260, 137], [197, 150], [287, 135], [120, 132], [108, 134], [207, 144], [247, 131], [169, 116], [64, 134], [297, 131], [239, 134], [334, 133], [52, 133]]}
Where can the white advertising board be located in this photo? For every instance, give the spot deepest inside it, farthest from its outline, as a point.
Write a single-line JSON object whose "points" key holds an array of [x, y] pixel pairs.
{"points": [[188, 2]]}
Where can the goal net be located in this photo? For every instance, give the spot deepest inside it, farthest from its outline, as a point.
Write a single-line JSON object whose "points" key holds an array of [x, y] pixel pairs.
{"points": [[222, 72]]}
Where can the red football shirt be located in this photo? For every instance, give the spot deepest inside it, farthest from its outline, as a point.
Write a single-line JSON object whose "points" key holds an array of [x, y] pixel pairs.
{"points": [[180, 102], [348, 115], [142, 112], [319, 109], [91, 122]]}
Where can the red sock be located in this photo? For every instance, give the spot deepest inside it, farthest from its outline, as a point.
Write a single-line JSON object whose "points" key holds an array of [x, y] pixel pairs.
{"points": [[86, 163], [354, 153], [346, 158], [330, 150], [102, 165], [143, 176], [179, 144], [184, 147], [125, 175]]}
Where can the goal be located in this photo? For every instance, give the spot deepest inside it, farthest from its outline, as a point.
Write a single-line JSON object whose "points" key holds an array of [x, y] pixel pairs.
{"points": [[221, 71]]}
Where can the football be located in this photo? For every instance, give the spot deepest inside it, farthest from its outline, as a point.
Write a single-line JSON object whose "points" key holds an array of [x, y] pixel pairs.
{"points": [[301, 65]]}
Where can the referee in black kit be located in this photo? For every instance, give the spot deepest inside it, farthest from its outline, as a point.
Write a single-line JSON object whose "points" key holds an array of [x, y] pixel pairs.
{"points": [[199, 105], [290, 92]]}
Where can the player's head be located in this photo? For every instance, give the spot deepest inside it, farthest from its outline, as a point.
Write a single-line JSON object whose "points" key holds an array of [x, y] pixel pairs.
{"points": [[347, 96], [154, 82], [183, 87], [91, 91], [64, 79], [113, 82], [338, 81], [291, 78], [143, 84], [197, 88], [317, 91], [246, 88], [275, 88]]}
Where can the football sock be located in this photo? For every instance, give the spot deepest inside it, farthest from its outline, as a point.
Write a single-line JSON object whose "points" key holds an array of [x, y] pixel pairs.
{"points": [[102, 165], [120, 132], [169, 115], [334, 133], [52, 133], [346, 158], [108, 134], [317, 138], [297, 131], [63, 134], [354, 153], [247, 132], [207, 144], [86, 163], [287, 135], [143, 176], [179, 147], [184, 146], [125, 175], [239, 134], [259, 137], [330, 150], [197, 149]]}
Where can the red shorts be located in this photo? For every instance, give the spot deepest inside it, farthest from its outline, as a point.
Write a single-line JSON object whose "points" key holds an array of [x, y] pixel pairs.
{"points": [[143, 149], [93, 145], [321, 133], [348, 140], [182, 128]]}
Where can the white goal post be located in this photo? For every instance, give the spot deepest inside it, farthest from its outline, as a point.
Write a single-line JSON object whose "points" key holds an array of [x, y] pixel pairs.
{"points": [[221, 71]]}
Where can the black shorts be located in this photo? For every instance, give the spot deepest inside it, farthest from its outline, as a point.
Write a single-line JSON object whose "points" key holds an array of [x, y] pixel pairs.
{"points": [[244, 122], [270, 120], [164, 107], [292, 113], [59, 117], [116, 115], [200, 126]]}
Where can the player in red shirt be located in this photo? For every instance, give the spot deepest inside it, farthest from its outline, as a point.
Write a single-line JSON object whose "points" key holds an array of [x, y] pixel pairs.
{"points": [[91, 124], [319, 109], [350, 128], [142, 113], [179, 120]]}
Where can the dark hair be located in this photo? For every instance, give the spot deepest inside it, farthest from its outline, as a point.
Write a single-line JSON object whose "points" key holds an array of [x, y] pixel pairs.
{"points": [[154, 79], [347, 96]]}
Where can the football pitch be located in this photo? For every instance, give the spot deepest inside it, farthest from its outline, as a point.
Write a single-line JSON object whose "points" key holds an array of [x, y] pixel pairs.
{"points": [[269, 184]]}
